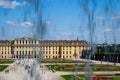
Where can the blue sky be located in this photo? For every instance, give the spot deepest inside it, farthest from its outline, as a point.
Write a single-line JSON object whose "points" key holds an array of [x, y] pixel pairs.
{"points": [[63, 19]]}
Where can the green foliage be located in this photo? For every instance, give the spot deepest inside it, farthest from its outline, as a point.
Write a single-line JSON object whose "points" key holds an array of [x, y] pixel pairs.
{"points": [[2, 67], [69, 77], [6, 61], [113, 49]]}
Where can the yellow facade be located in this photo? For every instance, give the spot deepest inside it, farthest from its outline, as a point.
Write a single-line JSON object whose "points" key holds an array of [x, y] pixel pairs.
{"points": [[25, 48], [63, 49], [5, 50], [31, 48]]}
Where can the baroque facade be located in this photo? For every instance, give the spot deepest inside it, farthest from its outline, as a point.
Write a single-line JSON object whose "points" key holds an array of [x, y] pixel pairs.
{"points": [[5, 49], [31, 48]]}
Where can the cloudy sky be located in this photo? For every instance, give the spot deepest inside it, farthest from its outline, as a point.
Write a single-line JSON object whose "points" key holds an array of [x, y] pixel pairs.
{"points": [[62, 19]]}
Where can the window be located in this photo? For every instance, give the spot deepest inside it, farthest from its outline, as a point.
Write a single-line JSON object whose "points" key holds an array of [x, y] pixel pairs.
{"points": [[23, 52], [17, 52], [66, 56], [66, 52], [20, 52], [35, 52]]}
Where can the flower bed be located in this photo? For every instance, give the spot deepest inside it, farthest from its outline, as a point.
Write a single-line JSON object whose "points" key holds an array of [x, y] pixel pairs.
{"points": [[81, 67], [61, 61], [95, 77], [106, 77]]}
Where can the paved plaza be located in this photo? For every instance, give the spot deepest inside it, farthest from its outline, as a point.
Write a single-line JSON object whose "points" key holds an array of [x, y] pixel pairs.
{"points": [[28, 70]]}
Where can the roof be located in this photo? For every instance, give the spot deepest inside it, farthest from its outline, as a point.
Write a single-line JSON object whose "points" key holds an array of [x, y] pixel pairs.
{"points": [[64, 41], [5, 42]]}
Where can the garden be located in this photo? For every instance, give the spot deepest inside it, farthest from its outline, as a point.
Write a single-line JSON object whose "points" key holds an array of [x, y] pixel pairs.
{"points": [[95, 77], [6, 61], [61, 61], [81, 67], [70, 77], [2, 67], [107, 77]]}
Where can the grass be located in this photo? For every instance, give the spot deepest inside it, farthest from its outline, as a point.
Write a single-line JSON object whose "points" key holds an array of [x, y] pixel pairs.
{"points": [[6, 61], [2, 67], [69, 77]]}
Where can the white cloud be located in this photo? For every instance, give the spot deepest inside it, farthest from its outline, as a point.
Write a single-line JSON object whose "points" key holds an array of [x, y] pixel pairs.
{"points": [[10, 23], [11, 4], [117, 13], [107, 30], [115, 17], [48, 22], [67, 33], [24, 24], [100, 17]]}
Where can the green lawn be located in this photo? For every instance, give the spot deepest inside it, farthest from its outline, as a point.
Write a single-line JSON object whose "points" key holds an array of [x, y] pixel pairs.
{"points": [[6, 61], [2, 67], [69, 77]]}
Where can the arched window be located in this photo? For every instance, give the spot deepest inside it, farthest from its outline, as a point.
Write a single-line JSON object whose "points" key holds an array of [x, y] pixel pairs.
{"points": [[26, 41], [26, 52], [29, 52], [23, 52], [35, 52], [20, 52], [17, 52]]}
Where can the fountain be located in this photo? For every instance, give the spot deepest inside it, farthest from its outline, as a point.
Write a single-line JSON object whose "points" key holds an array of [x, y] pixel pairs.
{"points": [[25, 68]]}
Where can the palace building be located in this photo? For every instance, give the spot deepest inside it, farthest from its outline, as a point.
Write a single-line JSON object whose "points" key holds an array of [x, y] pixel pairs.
{"points": [[25, 48], [5, 49], [32, 48]]}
